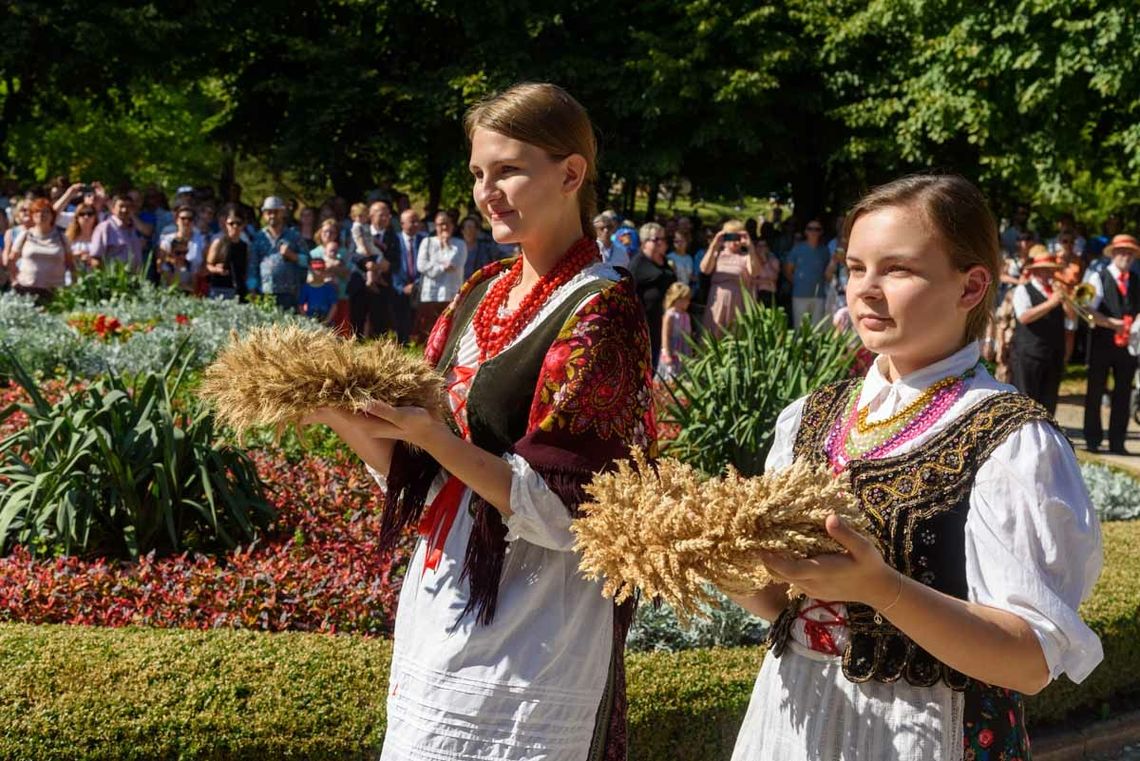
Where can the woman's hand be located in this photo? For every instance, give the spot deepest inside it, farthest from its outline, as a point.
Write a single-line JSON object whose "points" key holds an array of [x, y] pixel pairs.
{"points": [[414, 425], [716, 243], [858, 575]]}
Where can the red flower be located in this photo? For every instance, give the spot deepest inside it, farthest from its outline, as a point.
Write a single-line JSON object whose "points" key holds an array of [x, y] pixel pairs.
{"points": [[181, 319], [986, 738], [114, 325]]}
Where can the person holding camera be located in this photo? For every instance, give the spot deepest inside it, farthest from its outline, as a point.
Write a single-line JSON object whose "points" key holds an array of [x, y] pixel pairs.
{"points": [[732, 264]]}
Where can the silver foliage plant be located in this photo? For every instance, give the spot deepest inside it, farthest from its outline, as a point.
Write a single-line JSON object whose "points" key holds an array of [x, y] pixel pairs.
{"points": [[44, 342], [723, 624], [1114, 493]]}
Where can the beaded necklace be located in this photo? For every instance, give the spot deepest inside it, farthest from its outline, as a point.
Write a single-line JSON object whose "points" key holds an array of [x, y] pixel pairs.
{"points": [[853, 437], [495, 327]]}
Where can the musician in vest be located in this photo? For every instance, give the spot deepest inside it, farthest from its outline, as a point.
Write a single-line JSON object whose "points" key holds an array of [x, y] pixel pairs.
{"points": [[501, 648], [917, 642], [1114, 307], [1039, 340]]}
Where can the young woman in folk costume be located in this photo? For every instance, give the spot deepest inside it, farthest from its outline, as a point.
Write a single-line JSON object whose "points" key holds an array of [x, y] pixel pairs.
{"points": [[501, 649], [922, 649]]}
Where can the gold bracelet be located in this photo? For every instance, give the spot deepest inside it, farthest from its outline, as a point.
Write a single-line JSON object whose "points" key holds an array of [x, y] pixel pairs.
{"points": [[898, 596]]}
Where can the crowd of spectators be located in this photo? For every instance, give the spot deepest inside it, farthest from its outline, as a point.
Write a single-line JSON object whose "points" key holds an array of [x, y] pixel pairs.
{"points": [[374, 267]]}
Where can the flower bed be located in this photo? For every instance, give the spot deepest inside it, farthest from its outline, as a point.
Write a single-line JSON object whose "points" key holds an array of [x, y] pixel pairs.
{"points": [[318, 569]]}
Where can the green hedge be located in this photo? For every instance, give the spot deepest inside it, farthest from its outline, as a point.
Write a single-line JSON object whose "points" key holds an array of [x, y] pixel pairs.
{"points": [[79, 693]]}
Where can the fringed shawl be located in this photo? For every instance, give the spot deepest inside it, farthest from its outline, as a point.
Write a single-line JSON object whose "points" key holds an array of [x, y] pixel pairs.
{"points": [[590, 403]]}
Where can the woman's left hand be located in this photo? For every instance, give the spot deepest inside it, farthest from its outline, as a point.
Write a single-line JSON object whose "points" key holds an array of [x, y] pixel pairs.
{"points": [[414, 425], [858, 575]]}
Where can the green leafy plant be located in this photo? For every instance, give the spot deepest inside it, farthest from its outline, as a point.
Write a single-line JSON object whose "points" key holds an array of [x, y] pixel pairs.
{"points": [[728, 395], [119, 469], [98, 286]]}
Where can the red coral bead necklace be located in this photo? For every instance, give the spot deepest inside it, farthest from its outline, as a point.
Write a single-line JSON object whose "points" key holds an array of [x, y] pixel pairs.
{"points": [[495, 328]]}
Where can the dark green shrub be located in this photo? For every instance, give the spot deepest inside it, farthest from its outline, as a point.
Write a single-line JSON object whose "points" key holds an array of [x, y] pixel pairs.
{"points": [[118, 469], [729, 394]]}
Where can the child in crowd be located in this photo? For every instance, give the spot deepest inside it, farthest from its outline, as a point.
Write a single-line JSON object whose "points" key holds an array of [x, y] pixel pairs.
{"points": [[918, 641], [676, 330], [365, 246], [319, 294]]}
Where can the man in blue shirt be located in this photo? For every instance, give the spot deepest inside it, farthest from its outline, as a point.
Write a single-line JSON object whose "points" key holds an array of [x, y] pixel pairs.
{"points": [[278, 262], [805, 266]]}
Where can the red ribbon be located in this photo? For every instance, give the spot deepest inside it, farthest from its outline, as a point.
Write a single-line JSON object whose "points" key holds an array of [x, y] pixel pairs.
{"points": [[819, 632], [436, 523]]}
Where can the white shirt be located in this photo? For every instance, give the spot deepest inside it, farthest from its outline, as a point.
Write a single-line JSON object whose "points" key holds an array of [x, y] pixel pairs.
{"points": [[1094, 279], [529, 684], [440, 268], [1033, 545], [1022, 302]]}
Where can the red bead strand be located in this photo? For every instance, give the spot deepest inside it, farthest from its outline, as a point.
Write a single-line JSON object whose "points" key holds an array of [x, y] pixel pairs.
{"points": [[495, 331]]}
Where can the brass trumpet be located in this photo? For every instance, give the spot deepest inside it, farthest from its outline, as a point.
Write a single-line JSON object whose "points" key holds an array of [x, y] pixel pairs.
{"points": [[1078, 297]]}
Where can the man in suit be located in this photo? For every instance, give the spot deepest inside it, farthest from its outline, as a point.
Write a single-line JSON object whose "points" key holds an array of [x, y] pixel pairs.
{"points": [[1114, 307], [405, 276], [370, 293]]}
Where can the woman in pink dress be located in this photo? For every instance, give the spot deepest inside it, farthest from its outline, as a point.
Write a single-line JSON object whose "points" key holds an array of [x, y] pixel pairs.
{"points": [[731, 261]]}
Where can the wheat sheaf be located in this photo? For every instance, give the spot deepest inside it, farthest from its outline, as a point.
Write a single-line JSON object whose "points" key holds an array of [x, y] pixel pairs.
{"points": [[668, 531], [275, 376]]}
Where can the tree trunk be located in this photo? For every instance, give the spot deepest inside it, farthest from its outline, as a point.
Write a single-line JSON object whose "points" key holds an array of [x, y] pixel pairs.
{"points": [[434, 187], [651, 205], [228, 170]]}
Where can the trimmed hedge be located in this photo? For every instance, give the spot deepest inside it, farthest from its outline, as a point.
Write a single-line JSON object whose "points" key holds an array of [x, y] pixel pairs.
{"points": [[92, 693]]}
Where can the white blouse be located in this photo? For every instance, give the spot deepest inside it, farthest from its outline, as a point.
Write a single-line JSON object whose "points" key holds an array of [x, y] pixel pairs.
{"points": [[441, 268], [1033, 545], [1032, 549], [528, 686]]}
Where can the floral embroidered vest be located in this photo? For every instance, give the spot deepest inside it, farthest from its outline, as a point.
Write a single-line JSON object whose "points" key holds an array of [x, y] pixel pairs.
{"points": [[917, 504], [499, 400]]}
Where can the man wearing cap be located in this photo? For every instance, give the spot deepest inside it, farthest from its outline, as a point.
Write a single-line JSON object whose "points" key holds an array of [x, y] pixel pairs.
{"points": [[1114, 307], [1043, 317], [278, 262]]}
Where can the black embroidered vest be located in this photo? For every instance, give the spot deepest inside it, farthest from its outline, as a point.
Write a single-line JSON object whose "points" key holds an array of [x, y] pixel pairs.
{"points": [[499, 399], [917, 504]]}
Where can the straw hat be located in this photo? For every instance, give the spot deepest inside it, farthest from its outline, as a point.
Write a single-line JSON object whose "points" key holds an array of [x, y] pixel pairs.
{"points": [[1122, 241], [1041, 259]]}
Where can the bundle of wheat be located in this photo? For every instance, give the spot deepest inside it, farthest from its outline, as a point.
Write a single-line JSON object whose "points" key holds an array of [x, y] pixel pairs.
{"points": [[669, 532], [275, 376]]}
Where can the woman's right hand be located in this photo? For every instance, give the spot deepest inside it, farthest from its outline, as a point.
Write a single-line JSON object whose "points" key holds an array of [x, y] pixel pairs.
{"points": [[716, 243]]}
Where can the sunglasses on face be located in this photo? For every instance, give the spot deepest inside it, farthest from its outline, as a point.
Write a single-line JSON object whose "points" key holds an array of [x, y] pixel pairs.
{"points": [[233, 222], [186, 219], [85, 214]]}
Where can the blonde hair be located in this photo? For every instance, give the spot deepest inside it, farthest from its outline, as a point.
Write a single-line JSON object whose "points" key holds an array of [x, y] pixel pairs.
{"points": [[547, 117], [959, 214], [732, 226], [676, 292], [357, 209]]}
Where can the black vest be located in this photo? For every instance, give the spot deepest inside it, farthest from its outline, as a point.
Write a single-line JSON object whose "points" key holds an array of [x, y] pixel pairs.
{"points": [[500, 396], [917, 504], [1113, 304], [1043, 339]]}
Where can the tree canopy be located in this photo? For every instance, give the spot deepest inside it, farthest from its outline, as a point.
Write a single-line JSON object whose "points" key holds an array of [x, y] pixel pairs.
{"points": [[1035, 99]]}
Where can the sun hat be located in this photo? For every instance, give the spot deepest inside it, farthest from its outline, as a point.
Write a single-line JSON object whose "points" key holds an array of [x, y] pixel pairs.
{"points": [[1122, 241], [1040, 258], [273, 203]]}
